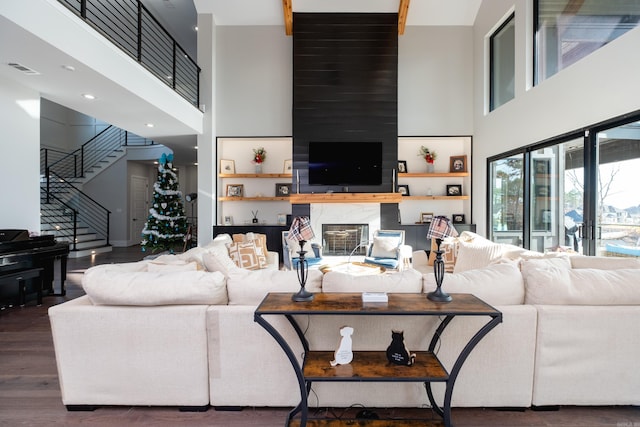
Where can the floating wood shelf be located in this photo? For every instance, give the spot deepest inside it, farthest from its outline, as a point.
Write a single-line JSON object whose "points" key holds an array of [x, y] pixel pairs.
{"points": [[253, 199], [434, 175], [255, 175], [299, 198]]}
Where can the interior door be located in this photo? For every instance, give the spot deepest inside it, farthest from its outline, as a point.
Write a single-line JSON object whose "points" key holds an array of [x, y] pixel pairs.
{"points": [[139, 206]]}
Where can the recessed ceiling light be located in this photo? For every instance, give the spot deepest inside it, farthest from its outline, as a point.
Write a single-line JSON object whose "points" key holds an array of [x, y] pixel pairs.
{"points": [[88, 96], [149, 125], [69, 67]]}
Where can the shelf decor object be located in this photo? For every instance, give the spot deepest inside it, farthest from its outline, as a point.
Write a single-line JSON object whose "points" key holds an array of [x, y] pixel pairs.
{"points": [[429, 157], [439, 229], [301, 231], [259, 156]]}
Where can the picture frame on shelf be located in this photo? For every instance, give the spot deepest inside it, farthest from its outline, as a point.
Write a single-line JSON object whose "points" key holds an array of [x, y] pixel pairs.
{"points": [[458, 163], [283, 189], [288, 166], [404, 189], [228, 220], [426, 217], [235, 190], [454, 190], [457, 218], [282, 219], [402, 166], [227, 166]]}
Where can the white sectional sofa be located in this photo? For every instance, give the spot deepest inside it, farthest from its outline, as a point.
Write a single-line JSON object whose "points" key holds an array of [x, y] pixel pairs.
{"points": [[173, 335]]}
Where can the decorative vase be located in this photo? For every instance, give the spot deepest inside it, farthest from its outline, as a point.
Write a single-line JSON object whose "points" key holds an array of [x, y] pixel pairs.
{"points": [[258, 167], [430, 168]]}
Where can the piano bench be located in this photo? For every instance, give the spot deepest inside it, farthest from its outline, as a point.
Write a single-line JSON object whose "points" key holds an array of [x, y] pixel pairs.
{"points": [[20, 278]]}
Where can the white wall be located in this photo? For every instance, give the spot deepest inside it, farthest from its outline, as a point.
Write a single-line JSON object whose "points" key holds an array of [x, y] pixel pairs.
{"points": [[601, 86], [20, 148], [253, 81], [435, 81]]}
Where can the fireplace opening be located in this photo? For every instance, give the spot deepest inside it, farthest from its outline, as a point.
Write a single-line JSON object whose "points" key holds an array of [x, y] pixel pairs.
{"points": [[342, 239]]}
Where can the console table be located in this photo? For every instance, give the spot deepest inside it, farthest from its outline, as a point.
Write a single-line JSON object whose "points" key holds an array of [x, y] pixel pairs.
{"points": [[373, 365]]}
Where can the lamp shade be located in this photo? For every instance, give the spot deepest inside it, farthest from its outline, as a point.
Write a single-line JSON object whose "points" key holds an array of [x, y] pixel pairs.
{"points": [[301, 229], [440, 228]]}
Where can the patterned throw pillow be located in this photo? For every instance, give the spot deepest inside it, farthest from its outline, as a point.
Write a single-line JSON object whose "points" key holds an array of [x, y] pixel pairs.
{"points": [[247, 255]]}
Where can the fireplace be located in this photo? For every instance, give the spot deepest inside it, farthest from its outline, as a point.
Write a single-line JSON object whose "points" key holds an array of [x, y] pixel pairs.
{"points": [[342, 239]]}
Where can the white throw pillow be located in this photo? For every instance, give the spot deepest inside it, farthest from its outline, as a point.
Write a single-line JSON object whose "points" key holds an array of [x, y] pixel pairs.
{"points": [[175, 265], [246, 287], [498, 284], [407, 281], [385, 247], [475, 254], [217, 259], [105, 285]]}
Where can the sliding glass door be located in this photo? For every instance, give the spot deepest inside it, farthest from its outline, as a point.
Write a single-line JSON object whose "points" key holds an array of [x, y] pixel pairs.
{"points": [[507, 200], [617, 201]]}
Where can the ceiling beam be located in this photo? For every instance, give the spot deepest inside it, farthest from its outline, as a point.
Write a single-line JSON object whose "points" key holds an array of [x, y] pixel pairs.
{"points": [[288, 17], [403, 10]]}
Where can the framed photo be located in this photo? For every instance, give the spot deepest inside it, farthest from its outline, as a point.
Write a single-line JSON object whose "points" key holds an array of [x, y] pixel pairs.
{"points": [[227, 166], [403, 189], [457, 218], [454, 190], [228, 220], [235, 190], [282, 219], [283, 189], [402, 166], [540, 167], [426, 217], [288, 166], [458, 163]]}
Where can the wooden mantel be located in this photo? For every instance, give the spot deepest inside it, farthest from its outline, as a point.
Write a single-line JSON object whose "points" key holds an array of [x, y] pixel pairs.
{"points": [[298, 198]]}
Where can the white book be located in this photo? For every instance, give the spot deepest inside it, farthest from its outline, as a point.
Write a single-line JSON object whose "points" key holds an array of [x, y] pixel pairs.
{"points": [[375, 297]]}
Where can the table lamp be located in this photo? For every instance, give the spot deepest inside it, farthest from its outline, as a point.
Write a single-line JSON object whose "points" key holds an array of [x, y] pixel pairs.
{"points": [[301, 231], [439, 229]]}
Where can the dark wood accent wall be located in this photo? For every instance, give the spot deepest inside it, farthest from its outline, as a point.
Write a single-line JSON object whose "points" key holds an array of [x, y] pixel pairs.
{"points": [[345, 87]]}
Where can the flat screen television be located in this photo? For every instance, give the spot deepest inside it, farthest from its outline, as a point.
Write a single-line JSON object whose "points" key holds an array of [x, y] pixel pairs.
{"points": [[345, 163]]}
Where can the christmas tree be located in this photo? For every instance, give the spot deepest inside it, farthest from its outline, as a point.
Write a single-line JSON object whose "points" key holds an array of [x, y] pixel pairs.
{"points": [[166, 225]]}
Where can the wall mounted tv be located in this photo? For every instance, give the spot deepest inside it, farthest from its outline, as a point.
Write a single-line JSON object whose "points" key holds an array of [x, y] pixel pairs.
{"points": [[345, 163]]}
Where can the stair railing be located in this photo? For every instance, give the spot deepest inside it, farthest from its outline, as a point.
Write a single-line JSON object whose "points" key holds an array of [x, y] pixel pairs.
{"points": [[86, 209], [130, 26], [61, 217]]}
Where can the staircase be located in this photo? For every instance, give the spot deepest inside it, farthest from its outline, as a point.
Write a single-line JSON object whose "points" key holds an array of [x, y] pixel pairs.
{"points": [[65, 210]]}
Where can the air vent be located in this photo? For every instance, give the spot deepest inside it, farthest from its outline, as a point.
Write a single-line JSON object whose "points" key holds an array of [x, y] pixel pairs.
{"points": [[23, 69]]}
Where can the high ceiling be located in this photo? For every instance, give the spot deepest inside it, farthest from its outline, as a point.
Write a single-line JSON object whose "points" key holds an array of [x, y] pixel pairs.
{"points": [[179, 17]]}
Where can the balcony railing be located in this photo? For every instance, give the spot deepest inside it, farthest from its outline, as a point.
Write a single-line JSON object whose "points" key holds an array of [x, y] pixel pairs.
{"points": [[131, 27]]}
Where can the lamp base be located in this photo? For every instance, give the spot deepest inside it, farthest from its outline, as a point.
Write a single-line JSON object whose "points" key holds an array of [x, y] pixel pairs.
{"points": [[439, 296], [302, 296]]}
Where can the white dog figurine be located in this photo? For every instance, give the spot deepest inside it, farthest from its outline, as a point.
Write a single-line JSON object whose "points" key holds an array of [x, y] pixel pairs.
{"points": [[343, 355]]}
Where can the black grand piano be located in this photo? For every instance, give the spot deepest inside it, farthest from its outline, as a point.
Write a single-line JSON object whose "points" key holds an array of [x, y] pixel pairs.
{"points": [[27, 265]]}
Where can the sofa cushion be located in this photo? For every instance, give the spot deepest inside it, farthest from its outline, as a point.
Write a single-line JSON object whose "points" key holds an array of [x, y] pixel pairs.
{"points": [[604, 263], [406, 281], [385, 247], [167, 265], [247, 255], [106, 285], [246, 287], [497, 284], [477, 253], [259, 239], [585, 286]]}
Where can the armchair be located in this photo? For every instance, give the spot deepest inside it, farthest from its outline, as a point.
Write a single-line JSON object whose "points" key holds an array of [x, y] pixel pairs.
{"points": [[388, 250]]}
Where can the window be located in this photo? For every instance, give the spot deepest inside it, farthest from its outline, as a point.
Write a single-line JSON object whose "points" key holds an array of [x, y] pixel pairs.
{"points": [[568, 30], [577, 192], [507, 200], [502, 64]]}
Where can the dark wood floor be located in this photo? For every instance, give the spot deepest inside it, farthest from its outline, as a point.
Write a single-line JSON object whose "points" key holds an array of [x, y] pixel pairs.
{"points": [[30, 393]]}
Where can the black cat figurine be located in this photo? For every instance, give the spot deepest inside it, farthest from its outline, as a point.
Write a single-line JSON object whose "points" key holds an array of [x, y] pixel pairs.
{"points": [[397, 353]]}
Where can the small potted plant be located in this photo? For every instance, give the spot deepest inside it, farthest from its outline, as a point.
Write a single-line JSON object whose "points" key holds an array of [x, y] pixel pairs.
{"points": [[429, 156], [259, 155]]}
